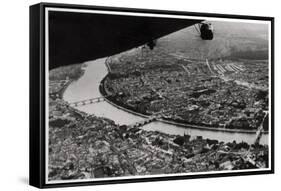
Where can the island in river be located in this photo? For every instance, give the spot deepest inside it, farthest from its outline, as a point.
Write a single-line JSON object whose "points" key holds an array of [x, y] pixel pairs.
{"points": [[215, 94]]}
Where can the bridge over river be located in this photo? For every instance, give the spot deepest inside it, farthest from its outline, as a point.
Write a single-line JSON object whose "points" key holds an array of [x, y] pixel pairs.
{"points": [[145, 121], [87, 101], [94, 100]]}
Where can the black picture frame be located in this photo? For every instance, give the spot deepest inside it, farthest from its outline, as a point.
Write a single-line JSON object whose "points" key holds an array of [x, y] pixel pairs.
{"points": [[37, 174]]}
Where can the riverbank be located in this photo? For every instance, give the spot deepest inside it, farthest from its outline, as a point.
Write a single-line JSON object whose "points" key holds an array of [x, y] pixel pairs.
{"points": [[105, 93], [62, 77]]}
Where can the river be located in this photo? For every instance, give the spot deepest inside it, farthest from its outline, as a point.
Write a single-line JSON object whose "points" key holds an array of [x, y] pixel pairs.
{"points": [[88, 87]]}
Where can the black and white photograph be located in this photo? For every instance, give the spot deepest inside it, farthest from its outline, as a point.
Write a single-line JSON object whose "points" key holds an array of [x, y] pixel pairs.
{"points": [[139, 95]]}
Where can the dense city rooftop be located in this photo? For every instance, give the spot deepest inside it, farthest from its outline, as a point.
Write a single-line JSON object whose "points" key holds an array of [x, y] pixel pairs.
{"points": [[214, 93]]}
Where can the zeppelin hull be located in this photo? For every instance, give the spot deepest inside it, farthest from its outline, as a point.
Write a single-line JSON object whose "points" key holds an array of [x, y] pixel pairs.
{"points": [[80, 37]]}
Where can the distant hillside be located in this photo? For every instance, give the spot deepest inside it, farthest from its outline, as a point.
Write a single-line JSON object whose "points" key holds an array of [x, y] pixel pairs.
{"points": [[234, 40]]}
